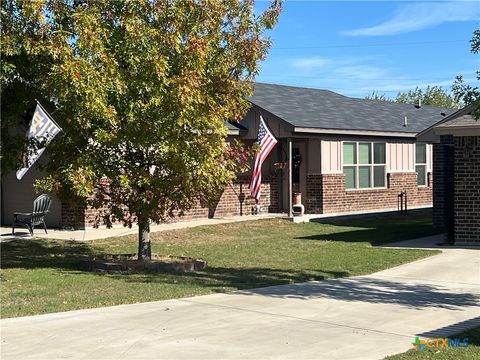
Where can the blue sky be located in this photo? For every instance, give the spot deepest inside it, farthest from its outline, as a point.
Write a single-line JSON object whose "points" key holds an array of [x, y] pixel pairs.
{"points": [[356, 47]]}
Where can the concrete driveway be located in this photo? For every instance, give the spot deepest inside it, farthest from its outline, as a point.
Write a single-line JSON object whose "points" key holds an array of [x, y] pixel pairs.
{"points": [[366, 317]]}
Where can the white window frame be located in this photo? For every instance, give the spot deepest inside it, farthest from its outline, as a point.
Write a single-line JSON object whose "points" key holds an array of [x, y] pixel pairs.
{"points": [[422, 164], [372, 165]]}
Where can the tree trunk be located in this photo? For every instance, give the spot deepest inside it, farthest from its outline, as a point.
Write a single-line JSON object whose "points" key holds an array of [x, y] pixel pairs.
{"points": [[144, 245]]}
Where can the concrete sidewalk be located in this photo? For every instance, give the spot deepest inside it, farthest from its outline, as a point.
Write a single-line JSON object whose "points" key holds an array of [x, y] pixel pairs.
{"points": [[118, 230], [365, 317]]}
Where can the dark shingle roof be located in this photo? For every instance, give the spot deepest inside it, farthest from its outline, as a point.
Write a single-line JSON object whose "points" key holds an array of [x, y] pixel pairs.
{"points": [[313, 108], [230, 126], [234, 125], [466, 120]]}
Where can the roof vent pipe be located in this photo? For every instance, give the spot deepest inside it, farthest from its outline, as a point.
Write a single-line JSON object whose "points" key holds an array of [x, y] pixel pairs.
{"points": [[405, 121], [420, 102]]}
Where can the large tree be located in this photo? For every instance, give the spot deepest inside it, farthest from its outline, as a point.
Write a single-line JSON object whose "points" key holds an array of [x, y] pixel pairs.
{"points": [[469, 94], [431, 95], [141, 88]]}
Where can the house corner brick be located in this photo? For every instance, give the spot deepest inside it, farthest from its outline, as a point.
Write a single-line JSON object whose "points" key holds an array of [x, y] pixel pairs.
{"points": [[467, 189]]}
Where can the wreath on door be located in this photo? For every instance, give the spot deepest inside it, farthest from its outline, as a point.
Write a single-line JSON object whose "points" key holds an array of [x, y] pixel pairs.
{"points": [[297, 160]]}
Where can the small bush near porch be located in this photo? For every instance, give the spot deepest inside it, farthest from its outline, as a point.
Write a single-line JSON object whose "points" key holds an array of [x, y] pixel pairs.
{"points": [[43, 276]]}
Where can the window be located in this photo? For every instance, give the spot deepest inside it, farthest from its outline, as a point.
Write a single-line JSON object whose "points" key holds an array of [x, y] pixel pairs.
{"points": [[421, 163], [364, 164]]}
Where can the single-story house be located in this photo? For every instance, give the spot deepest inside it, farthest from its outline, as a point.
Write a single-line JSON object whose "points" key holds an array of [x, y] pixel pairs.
{"points": [[347, 154], [456, 164]]}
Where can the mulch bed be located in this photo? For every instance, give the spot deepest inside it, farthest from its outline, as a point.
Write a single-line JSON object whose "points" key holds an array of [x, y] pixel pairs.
{"points": [[130, 263]]}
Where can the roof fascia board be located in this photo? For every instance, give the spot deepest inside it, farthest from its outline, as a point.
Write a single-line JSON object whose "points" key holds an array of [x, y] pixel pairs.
{"points": [[467, 130], [233, 132], [352, 137], [353, 132]]}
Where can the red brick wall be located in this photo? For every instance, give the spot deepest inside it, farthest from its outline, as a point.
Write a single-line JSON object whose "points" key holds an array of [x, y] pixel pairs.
{"points": [[327, 194], [467, 189], [314, 196], [235, 200], [443, 169], [73, 215]]}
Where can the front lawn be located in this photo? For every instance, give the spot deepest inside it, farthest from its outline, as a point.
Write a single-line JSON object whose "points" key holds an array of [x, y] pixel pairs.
{"points": [[472, 351], [42, 276]]}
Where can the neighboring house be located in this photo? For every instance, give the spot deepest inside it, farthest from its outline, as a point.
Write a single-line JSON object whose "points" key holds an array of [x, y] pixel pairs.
{"points": [[348, 155], [456, 159]]}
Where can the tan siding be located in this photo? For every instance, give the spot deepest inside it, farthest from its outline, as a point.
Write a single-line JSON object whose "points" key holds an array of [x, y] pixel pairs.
{"points": [[331, 156], [400, 157]]}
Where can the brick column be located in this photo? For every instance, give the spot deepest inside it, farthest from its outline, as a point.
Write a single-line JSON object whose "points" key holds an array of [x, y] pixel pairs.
{"points": [[467, 189], [333, 197], [314, 199], [443, 166]]}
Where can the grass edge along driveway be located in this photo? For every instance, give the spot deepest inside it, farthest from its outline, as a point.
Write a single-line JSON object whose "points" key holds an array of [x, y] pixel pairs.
{"points": [[42, 276], [472, 351]]}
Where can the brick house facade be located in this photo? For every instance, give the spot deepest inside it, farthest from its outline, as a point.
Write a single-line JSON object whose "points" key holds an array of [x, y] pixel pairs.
{"points": [[456, 164], [319, 128], [235, 200], [327, 194]]}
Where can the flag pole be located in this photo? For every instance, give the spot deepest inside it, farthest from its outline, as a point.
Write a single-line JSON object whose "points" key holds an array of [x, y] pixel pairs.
{"points": [[290, 190], [267, 142], [257, 205]]}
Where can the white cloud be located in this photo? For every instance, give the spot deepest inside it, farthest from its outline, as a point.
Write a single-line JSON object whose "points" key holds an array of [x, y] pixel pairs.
{"points": [[417, 16], [363, 72], [310, 63]]}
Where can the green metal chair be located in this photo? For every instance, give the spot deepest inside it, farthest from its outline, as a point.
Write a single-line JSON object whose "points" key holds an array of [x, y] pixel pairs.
{"points": [[41, 207]]}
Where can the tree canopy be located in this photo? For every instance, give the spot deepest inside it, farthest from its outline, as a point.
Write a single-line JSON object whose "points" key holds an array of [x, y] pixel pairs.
{"points": [[469, 94], [431, 95], [141, 89]]}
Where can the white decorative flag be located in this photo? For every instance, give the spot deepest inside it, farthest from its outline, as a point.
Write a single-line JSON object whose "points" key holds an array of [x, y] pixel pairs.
{"points": [[44, 129]]}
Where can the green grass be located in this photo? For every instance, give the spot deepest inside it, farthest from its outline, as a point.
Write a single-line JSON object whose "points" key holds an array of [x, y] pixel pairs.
{"points": [[463, 353], [42, 276]]}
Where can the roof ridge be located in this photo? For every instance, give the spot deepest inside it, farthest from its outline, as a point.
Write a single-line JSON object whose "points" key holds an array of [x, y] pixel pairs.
{"points": [[355, 98], [302, 87]]}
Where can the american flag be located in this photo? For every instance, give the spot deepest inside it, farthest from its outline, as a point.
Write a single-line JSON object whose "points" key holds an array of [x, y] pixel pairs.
{"points": [[267, 141], [43, 128]]}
